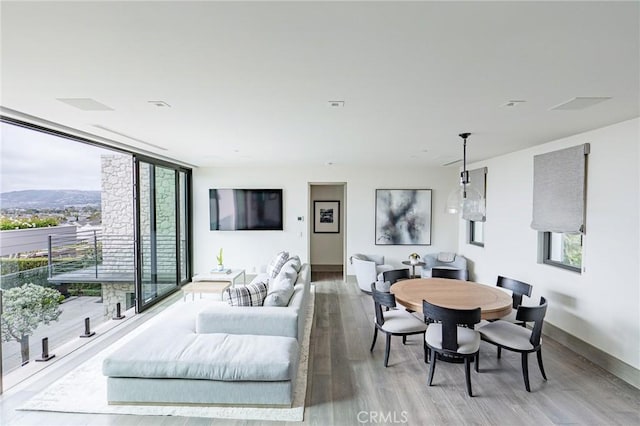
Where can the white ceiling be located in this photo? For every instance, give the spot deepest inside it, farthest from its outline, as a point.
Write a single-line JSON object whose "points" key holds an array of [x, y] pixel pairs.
{"points": [[249, 83]]}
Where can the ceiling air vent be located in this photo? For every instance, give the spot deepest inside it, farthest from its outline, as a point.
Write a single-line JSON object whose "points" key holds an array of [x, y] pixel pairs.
{"points": [[115, 132], [85, 104], [580, 103], [451, 163]]}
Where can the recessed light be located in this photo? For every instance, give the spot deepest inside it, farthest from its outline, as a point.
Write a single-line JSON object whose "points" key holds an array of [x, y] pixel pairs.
{"points": [[160, 104], [336, 104], [580, 103], [512, 103]]}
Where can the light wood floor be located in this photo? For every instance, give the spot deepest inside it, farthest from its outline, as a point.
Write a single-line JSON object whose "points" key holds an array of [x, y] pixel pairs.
{"points": [[348, 385]]}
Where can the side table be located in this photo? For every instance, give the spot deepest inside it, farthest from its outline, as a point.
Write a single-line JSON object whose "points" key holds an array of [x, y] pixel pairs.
{"points": [[413, 266], [204, 287], [213, 282], [229, 276]]}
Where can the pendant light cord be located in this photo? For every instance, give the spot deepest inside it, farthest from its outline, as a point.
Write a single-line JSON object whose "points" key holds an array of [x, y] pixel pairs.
{"points": [[464, 176]]}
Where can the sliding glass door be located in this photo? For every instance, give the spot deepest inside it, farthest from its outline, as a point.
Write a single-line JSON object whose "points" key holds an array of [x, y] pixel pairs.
{"points": [[162, 201]]}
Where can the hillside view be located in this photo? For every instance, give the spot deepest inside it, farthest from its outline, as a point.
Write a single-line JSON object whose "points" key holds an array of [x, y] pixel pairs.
{"points": [[48, 199]]}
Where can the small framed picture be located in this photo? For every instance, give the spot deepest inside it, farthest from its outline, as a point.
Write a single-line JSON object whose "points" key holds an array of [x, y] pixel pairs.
{"points": [[326, 217]]}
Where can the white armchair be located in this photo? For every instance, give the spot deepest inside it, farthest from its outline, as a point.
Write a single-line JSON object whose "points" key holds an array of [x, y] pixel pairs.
{"points": [[368, 267], [442, 260]]}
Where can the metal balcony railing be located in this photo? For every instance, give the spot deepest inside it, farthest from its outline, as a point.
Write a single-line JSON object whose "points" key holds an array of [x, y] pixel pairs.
{"points": [[90, 256]]}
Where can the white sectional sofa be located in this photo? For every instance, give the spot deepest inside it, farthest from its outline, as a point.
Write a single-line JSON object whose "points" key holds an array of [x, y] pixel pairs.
{"points": [[213, 353]]}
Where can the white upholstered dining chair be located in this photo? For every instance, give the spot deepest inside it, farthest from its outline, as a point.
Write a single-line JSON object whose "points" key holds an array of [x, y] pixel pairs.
{"points": [[368, 269]]}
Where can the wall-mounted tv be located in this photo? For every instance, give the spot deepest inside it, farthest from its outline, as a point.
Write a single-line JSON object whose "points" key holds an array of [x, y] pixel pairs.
{"points": [[245, 209]]}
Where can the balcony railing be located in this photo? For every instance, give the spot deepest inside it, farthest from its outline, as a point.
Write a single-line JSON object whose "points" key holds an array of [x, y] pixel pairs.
{"points": [[90, 256]]}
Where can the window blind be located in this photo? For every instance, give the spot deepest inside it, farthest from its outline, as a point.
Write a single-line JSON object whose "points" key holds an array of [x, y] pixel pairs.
{"points": [[477, 180], [559, 190]]}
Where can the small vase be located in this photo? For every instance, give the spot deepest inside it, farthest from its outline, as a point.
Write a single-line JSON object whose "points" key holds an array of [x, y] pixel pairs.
{"points": [[413, 261], [220, 267]]}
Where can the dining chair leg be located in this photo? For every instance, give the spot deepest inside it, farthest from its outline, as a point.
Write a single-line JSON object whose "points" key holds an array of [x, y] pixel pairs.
{"points": [[539, 355], [387, 349], [478, 362], [426, 350], [499, 352], [433, 366], [375, 336], [467, 374], [404, 340], [525, 370]]}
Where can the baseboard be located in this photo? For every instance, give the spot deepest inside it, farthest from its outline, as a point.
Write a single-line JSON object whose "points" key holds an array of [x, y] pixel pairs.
{"points": [[326, 268], [613, 365]]}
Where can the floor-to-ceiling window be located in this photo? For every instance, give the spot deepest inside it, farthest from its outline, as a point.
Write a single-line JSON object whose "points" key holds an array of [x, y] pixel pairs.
{"points": [[163, 229], [72, 229]]}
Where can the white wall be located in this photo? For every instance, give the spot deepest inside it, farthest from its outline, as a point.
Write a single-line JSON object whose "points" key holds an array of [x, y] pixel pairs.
{"points": [[252, 249], [601, 306], [327, 249]]}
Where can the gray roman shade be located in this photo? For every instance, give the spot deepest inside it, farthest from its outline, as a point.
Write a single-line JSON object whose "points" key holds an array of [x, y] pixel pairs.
{"points": [[559, 190], [477, 180]]}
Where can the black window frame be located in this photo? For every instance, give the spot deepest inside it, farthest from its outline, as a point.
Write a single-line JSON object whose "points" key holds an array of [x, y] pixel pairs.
{"points": [[546, 255], [470, 233], [136, 157]]}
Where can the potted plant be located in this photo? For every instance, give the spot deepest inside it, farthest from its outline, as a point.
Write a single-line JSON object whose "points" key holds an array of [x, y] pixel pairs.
{"points": [[219, 259], [414, 258]]}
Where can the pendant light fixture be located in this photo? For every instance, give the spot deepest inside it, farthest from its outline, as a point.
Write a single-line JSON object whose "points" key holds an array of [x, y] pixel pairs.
{"points": [[465, 198]]}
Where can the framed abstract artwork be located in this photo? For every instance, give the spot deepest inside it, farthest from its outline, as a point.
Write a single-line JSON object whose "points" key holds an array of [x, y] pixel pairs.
{"points": [[403, 217], [326, 217]]}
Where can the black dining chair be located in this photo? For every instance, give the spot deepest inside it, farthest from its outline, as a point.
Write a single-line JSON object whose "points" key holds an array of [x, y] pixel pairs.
{"points": [[512, 337], [394, 322], [396, 275], [454, 274], [518, 289], [451, 334]]}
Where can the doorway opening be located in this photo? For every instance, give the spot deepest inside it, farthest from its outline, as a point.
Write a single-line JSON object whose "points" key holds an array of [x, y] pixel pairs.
{"points": [[327, 230]]}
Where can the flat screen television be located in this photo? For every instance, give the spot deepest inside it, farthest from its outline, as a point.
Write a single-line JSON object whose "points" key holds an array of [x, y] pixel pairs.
{"points": [[245, 209]]}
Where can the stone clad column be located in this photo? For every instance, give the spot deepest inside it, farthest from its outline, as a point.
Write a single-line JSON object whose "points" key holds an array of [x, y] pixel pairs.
{"points": [[117, 231]]}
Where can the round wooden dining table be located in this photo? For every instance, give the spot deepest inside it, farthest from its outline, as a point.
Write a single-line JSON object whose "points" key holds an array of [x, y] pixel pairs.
{"points": [[456, 294]]}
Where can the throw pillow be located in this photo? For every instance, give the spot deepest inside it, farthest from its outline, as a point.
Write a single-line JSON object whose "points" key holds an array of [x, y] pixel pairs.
{"points": [[446, 257], [276, 263], [280, 290], [260, 278], [246, 295], [295, 261]]}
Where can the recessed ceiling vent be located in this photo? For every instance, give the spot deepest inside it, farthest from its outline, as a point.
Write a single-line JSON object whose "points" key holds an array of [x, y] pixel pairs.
{"points": [[336, 104], [85, 104], [580, 103], [115, 132], [451, 163]]}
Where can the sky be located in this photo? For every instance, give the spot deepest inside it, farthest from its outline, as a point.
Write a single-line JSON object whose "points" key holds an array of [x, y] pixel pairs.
{"points": [[35, 160]]}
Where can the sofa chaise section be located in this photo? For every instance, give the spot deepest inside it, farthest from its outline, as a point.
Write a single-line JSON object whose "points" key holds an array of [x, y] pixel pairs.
{"points": [[204, 369], [215, 354]]}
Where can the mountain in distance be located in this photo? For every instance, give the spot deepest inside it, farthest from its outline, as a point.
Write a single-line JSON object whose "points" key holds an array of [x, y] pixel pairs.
{"points": [[49, 199]]}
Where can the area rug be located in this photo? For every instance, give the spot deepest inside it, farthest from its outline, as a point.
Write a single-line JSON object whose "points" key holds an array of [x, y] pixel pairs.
{"points": [[84, 390]]}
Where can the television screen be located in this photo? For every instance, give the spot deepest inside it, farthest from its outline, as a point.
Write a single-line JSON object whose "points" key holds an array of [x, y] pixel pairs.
{"points": [[245, 209]]}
